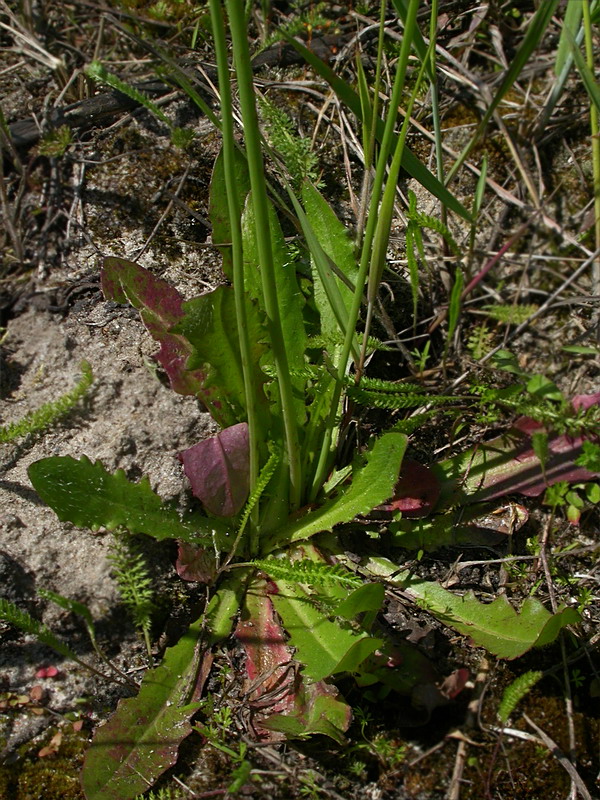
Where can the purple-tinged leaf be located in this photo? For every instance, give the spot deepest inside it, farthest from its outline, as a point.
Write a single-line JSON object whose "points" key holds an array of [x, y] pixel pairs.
{"points": [[319, 709], [270, 670], [218, 470], [585, 401], [281, 703], [160, 306], [416, 492], [509, 464], [209, 326], [195, 563], [141, 739]]}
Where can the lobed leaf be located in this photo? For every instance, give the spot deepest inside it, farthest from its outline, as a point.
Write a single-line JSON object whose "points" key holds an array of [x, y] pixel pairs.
{"points": [[323, 646], [497, 626], [371, 485], [161, 307], [89, 496]]}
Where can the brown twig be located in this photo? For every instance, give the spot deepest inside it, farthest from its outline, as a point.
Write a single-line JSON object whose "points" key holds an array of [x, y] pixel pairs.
{"points": [[562, 759]]}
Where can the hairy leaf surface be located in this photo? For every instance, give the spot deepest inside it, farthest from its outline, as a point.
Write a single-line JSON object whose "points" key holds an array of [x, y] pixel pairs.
{"points": [[89, 496], [371, 485], [497, 626]]}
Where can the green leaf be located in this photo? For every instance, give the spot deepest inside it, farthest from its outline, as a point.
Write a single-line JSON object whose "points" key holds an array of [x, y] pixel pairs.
{"points": [[371, 485], [497, 626], [218, 210], [323, 646], [581, 350], [289, 297], [541, 387], [539, 443], [590, 456], [239, 777], [592, 492], [368, 597], [337, 245], [89, 496], [571, 25], [588, 77], [309, 572], [455, 304], [208, 326], [141, 739]]}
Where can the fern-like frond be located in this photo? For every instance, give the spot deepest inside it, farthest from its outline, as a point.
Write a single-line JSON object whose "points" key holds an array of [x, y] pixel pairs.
{"points": [[391, 401], [415, 422], [98, 72], [514, 693], [264, 477], [49, 412], [413, 270], [10, 613], [161, 794], [313, 573], [421, 220], [373, 343], [480, 341], [511, 315], [180, 137], [294, 150], [388, 387], [134, 583], [309, 372]]}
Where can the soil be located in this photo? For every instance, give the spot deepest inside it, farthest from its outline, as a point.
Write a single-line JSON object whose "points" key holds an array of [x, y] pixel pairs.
{"points": [[122, 188]]}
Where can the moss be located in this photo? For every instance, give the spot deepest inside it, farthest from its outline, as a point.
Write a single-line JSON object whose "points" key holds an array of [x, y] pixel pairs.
{"points": [[54, 777]]}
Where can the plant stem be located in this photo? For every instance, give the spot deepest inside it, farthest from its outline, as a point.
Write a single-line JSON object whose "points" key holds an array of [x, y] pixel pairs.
{"points": [[367, 245], [241, 54], [589, 54], [233, 204]]}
